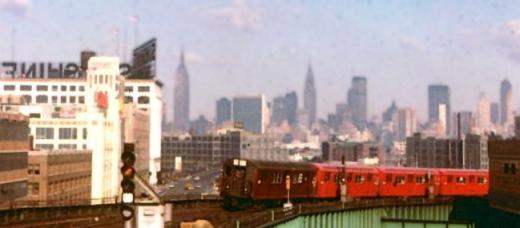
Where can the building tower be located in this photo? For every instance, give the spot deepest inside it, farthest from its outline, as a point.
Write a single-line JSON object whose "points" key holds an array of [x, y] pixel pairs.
{"points": [[309, 96], [181, 99], [223, 110], [506, 103], [437, 95], [483, 114], [357, 101]]}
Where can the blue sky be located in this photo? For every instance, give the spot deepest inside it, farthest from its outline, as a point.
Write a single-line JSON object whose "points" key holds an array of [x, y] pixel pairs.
{"points": [[236, 47]]}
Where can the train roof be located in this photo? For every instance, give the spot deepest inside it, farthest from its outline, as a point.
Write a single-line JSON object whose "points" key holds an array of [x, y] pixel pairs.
{"points": [[463, 171], [281, 165], [406, 170]]}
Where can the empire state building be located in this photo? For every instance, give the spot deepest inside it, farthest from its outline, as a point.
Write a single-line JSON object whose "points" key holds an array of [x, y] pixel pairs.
{"points": [[181, 99]]}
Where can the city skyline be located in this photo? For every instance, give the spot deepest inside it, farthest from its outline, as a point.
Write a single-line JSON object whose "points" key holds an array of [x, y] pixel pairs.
{"points": [[478, 44]]}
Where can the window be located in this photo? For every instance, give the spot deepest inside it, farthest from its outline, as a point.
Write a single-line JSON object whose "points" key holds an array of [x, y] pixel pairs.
{"points": [[42, 88], [9, 87], [129, 99], [81, 88], [471, 179], [227, 171], [41, 99], [143, 100], [81, 99], [44, 133], [72, 100], [506, 167], [27, 99], [129, 89], [326, 178], [420, 179], [450, 179], [67, 146], [44, 146], [513, 168], [72, 88], [359, 179], [54, 99], [349, 177], [63, 99], [33, 188], [295, 179], [36, 169], [300, 178], [399, 180], [63, 88], [68, 133], [481, 180], [277, 178], [143, 88], [461, 180], [84, 133], [25, 88], [54, 88]]}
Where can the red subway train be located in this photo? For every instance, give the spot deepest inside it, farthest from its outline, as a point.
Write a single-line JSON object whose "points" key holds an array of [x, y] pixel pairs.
{"points": [[247, 182]]}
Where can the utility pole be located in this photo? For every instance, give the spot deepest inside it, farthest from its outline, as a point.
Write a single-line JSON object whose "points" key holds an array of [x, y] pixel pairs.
{"points": [[343, 186]]}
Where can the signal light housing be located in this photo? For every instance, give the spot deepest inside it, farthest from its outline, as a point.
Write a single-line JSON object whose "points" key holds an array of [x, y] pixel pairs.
{"points": [[127, 184]]}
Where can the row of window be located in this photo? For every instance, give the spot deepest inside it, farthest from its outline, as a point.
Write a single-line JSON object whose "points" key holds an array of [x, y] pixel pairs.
{"points": [[139, 88], [43, 146], [43, 99], [140, 100], [63, 133], [33, 169], [71, 88], [510, 168]]}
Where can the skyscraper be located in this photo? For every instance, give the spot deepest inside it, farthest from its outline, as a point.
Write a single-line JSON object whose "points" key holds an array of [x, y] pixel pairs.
{"points": [[437, 95], [483, 113], [506, 103], [252, 112], [223, 110], [495, 113], [291, 106], [285, 108], [309, 96], [181, 99], [406, 123], [357, 101]]}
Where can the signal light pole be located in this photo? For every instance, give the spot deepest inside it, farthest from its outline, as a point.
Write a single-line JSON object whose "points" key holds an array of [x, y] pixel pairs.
{"points": [[127, 184], [288, 205]]}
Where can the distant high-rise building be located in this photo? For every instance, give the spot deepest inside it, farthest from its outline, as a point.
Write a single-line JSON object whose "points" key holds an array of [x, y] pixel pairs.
{"points": [[357, 101], [495, 113], [483, 113], [388, 115], [467, 123], [406, 123], [200, 126], [181, 99], [223, 110], [291, 105], [506, 103], [252, 112], [439, 94], [285, 108], [309, 96]]}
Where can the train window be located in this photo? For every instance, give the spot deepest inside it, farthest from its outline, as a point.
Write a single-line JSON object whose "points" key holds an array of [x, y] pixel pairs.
{"points": [[471, 179], [369, 177], [359, 179], [461, 180], [336, 179], [327, 177], [277, 178], [420, 180], [450, 179], [481, 180], [300, 178], [295, 179], [227, 171], [399, 180], [410, 178], [349, 177], [513, 168], [506, 167], [389, 178]]}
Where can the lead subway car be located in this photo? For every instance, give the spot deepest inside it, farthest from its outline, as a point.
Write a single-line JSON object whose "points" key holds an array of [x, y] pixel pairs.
{"points": [[246, 181]]}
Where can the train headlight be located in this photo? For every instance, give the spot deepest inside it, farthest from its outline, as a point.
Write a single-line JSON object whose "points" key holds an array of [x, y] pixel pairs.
{"points": [[235, 161], [259, 181], [243, 163]]}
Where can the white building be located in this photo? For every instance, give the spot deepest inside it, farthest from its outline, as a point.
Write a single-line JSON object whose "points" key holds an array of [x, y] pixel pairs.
{"points": [[483, 114], [84, 113], [252, 111]]}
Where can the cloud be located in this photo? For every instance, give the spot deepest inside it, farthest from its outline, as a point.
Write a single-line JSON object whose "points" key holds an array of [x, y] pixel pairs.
{"points": [[240, 14], [506, 37], [17, 7], [410, 43]]}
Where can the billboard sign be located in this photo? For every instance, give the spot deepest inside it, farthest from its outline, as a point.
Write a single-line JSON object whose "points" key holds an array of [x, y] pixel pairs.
{"points": [[143, 60]]}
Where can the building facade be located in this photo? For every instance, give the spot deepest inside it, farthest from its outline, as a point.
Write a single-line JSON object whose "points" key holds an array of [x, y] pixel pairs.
{"points": [[439, 95], [252, 112], [333, 151], [181, 99], [506, 103], [434, 153], [223, 111], [137, 131], [14, 146], [59, 177], [504, 174], [476, 151], [310, 97], [357, 101]]}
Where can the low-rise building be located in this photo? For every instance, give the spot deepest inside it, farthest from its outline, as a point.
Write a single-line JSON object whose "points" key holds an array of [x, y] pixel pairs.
{"points": [[432, 152], [504, 174], [59, 176], [14, 146], [351, 151], [476, 151]]}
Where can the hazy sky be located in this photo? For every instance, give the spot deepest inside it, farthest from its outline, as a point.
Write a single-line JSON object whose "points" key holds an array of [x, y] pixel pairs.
{"points": [[237, 47]]}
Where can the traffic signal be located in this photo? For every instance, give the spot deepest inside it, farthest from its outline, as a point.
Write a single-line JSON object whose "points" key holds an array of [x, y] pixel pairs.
{"points": [[127, 184]]}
